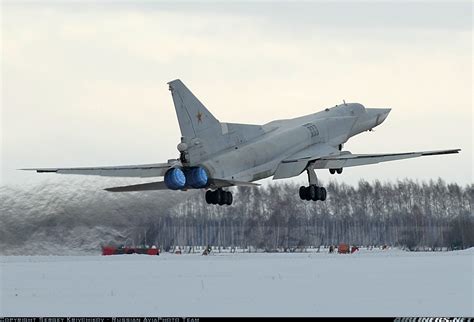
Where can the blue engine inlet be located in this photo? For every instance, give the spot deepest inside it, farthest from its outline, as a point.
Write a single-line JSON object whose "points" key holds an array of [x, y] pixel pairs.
{"points": [[175, 179], [197, 177]]}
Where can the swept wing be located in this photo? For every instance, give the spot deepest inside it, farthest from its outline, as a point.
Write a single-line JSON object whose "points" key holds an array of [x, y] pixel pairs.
{"points": [[322, 156], [348, 159]]}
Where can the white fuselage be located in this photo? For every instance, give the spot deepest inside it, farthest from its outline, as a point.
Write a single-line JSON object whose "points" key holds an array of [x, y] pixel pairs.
{"points": [[259, 158]]}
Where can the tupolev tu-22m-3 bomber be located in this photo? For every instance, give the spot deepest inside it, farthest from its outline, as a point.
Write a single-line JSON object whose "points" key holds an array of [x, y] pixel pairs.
{"points": [[214, 155]]}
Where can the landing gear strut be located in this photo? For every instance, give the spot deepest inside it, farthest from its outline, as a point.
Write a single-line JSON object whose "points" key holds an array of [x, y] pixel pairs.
{"points": [[313, 191], [219, 197]]}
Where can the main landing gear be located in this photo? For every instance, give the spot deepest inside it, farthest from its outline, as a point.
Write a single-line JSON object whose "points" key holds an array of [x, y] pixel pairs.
{"points": [[219, 197], [313, 191]]}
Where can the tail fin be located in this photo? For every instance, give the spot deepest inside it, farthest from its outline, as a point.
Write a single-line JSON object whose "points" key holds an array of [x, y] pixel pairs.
{"points": [[193, 117], [195, 121]]}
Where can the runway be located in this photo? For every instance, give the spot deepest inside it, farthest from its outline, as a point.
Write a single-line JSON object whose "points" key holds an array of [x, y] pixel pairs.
{"points": [[367, 283]]}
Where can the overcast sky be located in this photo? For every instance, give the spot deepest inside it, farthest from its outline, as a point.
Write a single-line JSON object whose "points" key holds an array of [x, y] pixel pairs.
{"points": [[85, 84]]}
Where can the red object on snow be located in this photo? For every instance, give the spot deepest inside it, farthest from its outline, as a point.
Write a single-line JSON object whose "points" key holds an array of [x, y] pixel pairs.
{"points": [[153, 251], [343, 249], [108, 250]]}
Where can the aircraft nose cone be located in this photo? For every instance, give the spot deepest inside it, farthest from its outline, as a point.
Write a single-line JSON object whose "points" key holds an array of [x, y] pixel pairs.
{"points": [[376, 116]]}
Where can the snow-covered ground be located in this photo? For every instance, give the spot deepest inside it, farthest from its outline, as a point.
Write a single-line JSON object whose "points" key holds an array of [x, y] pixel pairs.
{"points": [[368, 283]]}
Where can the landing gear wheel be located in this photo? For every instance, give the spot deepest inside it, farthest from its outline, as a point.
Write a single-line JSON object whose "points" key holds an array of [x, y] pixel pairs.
{"points": [[312, 192], [339, 171], [209, 196], [303, 193], [229, 198], [318, 194], [219, 197], [322, 194], [332, 171], [307, 195], [223, 198]]}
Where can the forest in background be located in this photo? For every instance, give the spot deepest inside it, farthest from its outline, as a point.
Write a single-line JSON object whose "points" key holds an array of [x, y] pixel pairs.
{"points": [[407, 214], [78, 216]]}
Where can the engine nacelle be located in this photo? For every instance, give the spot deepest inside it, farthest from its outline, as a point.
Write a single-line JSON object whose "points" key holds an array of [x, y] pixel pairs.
{"points": [[175, 179], [197, 177]]}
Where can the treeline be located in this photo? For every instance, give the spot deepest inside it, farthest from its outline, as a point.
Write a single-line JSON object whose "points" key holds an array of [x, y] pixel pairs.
{"points": [[76, 214], [406, 213]]}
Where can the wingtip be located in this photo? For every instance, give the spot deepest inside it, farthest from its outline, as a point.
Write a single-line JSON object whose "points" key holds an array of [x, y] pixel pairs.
{"points": [[454, 151], [441, 152], [111, 189], [39, 170]]}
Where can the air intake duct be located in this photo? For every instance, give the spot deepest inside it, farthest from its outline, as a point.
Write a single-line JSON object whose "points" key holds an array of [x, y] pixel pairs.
{"points": [[175, 179], [197, 177]]}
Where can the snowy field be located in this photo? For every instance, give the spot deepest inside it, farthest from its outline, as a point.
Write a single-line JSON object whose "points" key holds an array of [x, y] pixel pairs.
{"points": [[368, 283]]}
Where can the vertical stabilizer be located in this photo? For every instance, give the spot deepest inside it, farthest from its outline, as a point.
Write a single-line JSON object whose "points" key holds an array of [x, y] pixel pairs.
{"points": [[193, 117], [201, 132]]}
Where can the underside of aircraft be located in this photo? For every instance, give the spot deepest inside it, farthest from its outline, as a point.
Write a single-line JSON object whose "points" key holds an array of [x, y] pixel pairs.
{"points": [[214, 155]]}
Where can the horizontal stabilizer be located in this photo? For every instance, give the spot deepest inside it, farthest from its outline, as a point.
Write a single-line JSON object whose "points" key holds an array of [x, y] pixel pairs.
{"points": [[138, 171], [160, 185]]}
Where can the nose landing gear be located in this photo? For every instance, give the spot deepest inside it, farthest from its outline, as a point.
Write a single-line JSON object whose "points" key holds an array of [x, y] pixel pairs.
{"points": [[333, 171]]}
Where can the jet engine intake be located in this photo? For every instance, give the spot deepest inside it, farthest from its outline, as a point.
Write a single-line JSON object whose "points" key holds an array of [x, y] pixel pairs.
{"points": [[197, 177], [175, 179]]}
